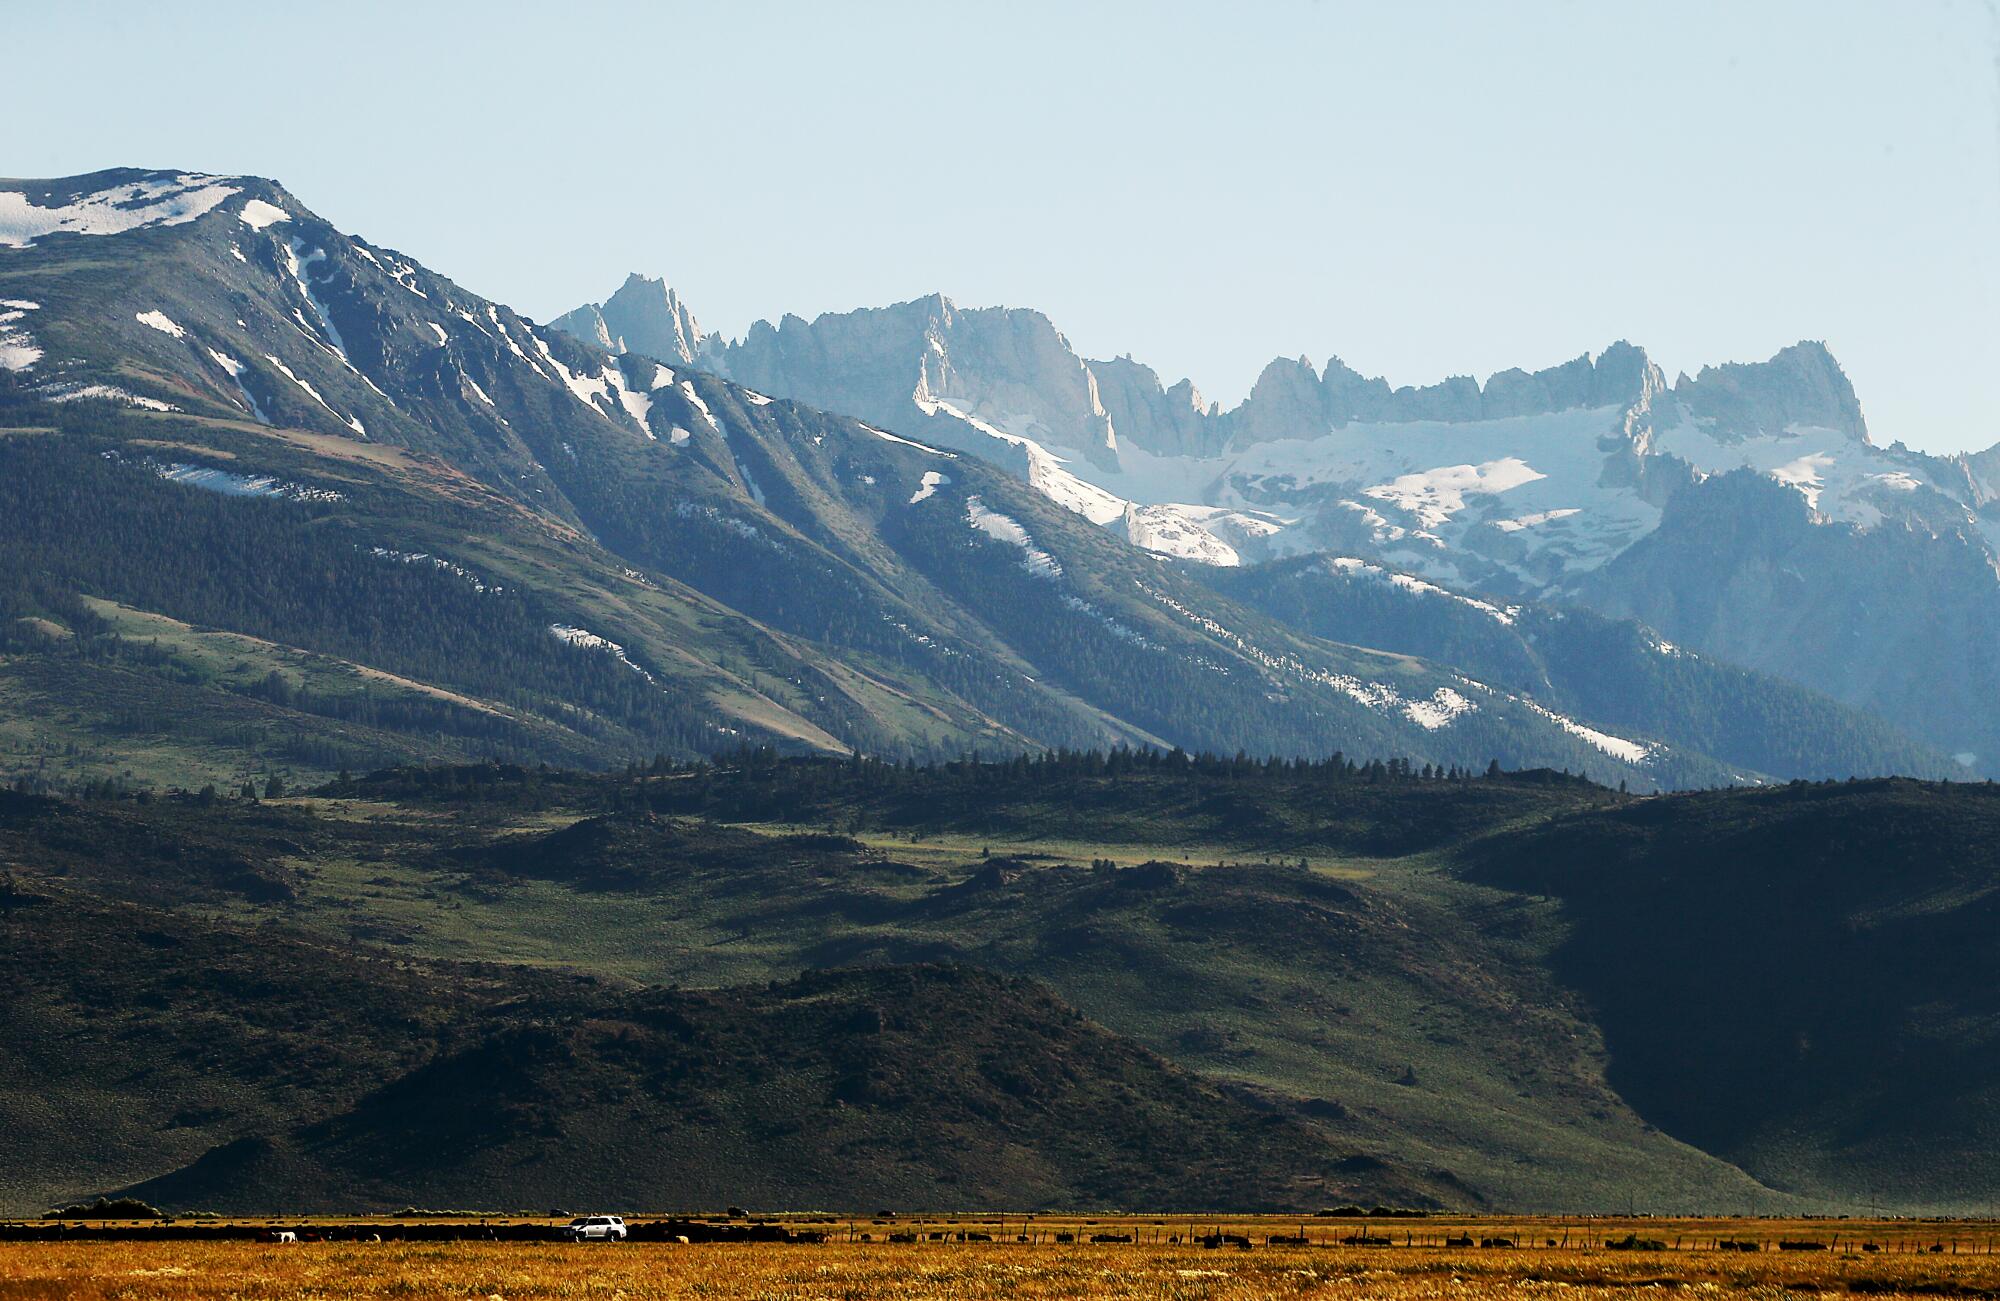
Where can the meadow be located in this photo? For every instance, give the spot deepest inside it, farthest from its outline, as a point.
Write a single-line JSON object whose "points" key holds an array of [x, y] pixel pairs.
{"points": [[853, 1270]]}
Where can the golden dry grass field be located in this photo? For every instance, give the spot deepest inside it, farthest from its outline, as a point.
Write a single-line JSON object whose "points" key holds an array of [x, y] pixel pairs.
{"points": [[843, 1270]]}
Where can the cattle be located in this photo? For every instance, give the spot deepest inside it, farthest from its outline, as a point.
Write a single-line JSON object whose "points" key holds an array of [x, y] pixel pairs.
{"points": [[285, 1236], [1496, 1242], [1464, 1241]]}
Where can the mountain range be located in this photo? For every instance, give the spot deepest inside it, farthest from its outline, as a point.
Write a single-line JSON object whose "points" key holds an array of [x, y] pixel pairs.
{"points": [[1743, 512], [318, 507]]}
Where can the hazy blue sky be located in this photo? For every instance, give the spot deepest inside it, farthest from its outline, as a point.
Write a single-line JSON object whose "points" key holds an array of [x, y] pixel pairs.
{"points": [[1423, 189]]}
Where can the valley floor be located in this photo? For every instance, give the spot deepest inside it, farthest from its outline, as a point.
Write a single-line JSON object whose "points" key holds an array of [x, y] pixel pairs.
{"points": [[863, 1271]]}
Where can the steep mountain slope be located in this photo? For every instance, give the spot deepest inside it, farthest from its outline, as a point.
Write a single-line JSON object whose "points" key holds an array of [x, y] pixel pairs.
{"points": [[1583, 663], [1531, 485], [1802, 979], [907, 1087], [727, 565], [1900, 619]]}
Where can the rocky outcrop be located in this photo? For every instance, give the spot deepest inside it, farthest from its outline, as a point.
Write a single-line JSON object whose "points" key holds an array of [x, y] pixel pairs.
{"points": [[1291, 401], [1164, 421], [644, 316], [1008, 367], [1802, 385]]}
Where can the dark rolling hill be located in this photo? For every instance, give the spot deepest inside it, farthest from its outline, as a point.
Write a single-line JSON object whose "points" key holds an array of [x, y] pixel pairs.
{"points": [[1804, 980], [1523, 991], [904, 1087]]}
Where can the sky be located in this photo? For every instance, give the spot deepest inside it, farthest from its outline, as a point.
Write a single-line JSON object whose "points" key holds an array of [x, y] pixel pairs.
{"points": [[1421, 188]]}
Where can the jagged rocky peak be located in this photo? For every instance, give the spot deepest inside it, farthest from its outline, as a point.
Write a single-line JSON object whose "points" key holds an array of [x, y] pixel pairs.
{"points": [[1175, 421], [645, 316], [1982, 472], [1292, 400], [1009, 367], [1802, 386]]}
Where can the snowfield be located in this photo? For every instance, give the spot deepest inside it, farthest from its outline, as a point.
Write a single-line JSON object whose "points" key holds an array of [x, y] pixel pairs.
{"points": [[157, 201]]}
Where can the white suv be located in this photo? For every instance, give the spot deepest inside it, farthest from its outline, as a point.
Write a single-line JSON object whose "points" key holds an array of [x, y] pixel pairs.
{"points": [[596, 1228]]}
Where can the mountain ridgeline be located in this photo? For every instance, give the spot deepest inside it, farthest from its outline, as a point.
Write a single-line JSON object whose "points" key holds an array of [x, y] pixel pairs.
{"points": [[297, 477]]}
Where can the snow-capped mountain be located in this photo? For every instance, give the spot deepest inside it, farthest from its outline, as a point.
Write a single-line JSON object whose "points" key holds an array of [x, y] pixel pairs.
{"points": [[1568, 484], [718, 564]]}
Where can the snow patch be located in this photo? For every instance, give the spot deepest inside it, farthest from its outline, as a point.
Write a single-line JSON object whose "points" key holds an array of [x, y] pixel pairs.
{"points": [[886, 436], [301, 264], [478, 584], [637, 405], [236, 370], [17, 346], [694, 400], [1535, 520], [1616, 746], [1003, 528], [232, 484], [160, 321], [1443, 706], [74, 392], [258, 214], [584, 639], [932, 481]]}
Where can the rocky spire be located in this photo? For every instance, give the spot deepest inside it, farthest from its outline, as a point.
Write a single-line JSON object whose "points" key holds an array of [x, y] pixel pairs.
{"points": [[645, 316]]}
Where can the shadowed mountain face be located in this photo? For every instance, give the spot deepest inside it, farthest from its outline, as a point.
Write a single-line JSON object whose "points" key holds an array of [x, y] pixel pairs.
{"points": [[905, 1087], [1584, 482], [390, 519]]}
